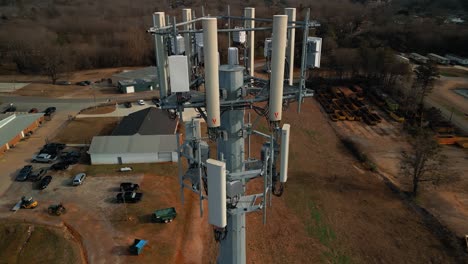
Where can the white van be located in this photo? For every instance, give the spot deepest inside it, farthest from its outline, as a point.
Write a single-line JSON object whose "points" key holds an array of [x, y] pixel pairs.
{"points": [[79, 178]]}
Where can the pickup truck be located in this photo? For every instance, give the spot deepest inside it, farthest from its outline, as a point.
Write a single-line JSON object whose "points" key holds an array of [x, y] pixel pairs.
{"points": [[129, 197], [129, 187], [164, 215], [44, 158]]}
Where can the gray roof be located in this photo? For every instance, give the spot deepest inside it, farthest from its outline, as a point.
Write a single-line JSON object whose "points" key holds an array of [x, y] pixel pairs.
{"points": [[133, 144], [149, 121], [12, 128], [143, 73]]}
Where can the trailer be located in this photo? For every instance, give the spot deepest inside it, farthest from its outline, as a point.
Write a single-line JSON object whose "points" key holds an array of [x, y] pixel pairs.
{"points": [[164, 215]]}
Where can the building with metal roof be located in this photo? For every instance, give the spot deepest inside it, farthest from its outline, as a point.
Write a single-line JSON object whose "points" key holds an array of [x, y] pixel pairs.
{"points": [[14, 127], [144, 79], [149, 121], [145, 136]]}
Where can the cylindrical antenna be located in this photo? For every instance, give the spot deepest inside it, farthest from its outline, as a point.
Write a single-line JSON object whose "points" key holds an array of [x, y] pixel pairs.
{"points": [[233, 56], [161, 54], [187, 16], [210, 41], [249, 12], [291, 13], [280, 24]]}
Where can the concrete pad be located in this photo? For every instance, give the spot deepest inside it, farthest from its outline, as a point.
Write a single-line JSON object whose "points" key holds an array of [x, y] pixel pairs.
{"points": [[11, 87]]}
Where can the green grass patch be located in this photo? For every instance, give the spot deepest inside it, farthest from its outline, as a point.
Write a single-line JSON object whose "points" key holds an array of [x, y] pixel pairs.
{"points": [[312, 134], [318, 228], [43, 245]]}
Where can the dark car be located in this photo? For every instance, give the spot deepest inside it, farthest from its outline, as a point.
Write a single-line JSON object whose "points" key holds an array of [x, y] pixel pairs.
{"points": [[156, 101], [129, 197], [37, 175], [10, 108], [71, 154], [71, 160], [33, 110], [55, 145], [45, 182], [63, 83], [50, 110], [60, 166], [24, 173], [129, 187], [128, 105]]}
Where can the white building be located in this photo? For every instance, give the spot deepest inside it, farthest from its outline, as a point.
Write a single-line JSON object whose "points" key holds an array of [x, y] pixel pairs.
{"points": [[145, 136]]}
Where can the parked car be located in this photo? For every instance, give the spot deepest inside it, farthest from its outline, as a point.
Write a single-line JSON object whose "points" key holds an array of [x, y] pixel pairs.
{"points": [[9, 108], [71, 160], [33, 110], [129, 197], [37, 175], [141, 102], [45, 182], [60, 166], [128, 105], [129, 187], [84, 83], [63, 83], [125, 169], [24, 173], [44, 158], [79, 178], [50, 110], [55, 145]]}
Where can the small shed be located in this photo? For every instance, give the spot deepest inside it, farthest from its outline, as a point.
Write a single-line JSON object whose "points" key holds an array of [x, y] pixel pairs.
{"points": [[137, 85]]}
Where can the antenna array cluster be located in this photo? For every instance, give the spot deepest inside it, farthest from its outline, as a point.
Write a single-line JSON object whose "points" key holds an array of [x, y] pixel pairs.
{"points": [[187, 55]]}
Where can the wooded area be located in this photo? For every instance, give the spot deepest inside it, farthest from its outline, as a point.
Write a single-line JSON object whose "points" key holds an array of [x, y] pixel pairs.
{"points": [[64, 35]]}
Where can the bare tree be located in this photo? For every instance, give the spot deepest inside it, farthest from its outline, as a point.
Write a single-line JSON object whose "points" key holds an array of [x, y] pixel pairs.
{"points": [[426, 75], [425, 162], [54, 62]]}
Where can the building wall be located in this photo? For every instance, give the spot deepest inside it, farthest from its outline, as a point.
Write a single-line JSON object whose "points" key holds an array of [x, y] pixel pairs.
{"points": [[14, 140], [3, 149], [128, 158], [32, 127]]}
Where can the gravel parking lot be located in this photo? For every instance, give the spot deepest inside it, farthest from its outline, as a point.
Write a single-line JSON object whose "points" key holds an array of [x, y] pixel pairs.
{"points": [[90, 209]]}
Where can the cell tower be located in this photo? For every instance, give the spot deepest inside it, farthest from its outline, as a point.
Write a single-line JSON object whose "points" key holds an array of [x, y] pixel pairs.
{"points": [[229, 90]]}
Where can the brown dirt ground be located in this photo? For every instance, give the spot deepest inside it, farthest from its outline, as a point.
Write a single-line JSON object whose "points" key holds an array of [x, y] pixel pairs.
{"points": [[99, 110], [41, 86], [82, 130], [339, 212]]}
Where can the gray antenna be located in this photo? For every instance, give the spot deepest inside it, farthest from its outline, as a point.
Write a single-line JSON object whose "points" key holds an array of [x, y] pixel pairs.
{"points": [[231, 90]]}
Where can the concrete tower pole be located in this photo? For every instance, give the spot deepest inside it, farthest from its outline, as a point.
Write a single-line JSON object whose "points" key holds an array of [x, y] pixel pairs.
{"points": [[187, 16], [249, 12], [161, 54], [291, 13]]}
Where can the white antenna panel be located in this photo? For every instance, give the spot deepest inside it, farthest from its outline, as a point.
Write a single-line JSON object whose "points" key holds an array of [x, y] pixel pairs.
{"points": [[239, 36], [180, 45], [216, 171], [284, 152], [314, 51], [178, 72]]}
